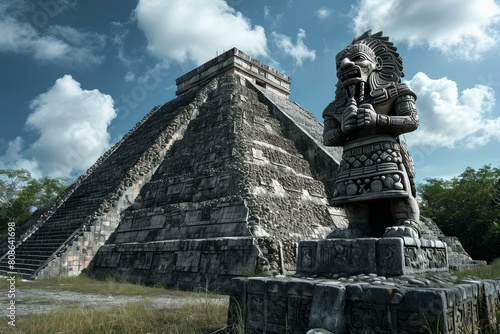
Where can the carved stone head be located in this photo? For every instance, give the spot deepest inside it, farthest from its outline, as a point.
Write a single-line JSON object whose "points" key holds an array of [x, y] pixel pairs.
{"points": [[371, 59], [356, 63]]}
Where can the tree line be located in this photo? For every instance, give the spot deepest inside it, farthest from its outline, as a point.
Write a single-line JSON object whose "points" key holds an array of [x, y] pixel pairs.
{"points": [[21, 195], [468, 207]]}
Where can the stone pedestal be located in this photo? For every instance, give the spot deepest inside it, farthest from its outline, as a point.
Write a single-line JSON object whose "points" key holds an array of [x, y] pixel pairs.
{"points": [[291, 305], [381, 256]]}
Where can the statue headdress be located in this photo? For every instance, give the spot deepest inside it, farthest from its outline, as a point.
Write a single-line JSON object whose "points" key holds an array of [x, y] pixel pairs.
{"points": [[382, 48]]}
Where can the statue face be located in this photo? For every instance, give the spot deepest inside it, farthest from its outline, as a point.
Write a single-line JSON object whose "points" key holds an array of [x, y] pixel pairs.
{"points": [[355, 64]]}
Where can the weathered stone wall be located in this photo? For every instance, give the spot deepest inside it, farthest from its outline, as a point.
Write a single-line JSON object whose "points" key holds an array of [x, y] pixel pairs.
{"points": [[235, 174]]}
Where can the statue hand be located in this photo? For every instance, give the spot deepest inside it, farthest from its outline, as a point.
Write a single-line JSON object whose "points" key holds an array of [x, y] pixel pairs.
{"points": [[366, 116], [349, 116]]}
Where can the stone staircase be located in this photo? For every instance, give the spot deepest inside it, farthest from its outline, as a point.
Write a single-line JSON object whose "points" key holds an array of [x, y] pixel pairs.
{"points": [[92, 196]]}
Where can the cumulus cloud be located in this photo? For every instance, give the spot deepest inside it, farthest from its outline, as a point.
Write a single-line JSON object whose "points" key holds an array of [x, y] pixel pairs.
{"points": [[58, 44], [459, 28], [72, 126], [323, 13], [196, 30], [299, 51], [449, 118]]}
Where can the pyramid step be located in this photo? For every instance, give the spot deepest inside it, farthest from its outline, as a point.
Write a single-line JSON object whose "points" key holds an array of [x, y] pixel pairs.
{"points": [[30, 262], [32, 256], [19, 270], [33, 266], [25, 272], [33, 252], [44, 238], [40, 244], [38, 253]]}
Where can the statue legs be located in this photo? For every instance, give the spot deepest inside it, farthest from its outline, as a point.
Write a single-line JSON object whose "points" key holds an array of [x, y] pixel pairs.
{"points": [[358, 216], [406, 214]]}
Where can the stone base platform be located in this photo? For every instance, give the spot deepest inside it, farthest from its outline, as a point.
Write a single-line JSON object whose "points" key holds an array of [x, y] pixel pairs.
{"points": [[187, 263], [381, 256], [293, 305]]}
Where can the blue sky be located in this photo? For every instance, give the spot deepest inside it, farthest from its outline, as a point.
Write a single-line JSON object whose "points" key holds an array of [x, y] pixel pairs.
{"points": [[76, 75]]}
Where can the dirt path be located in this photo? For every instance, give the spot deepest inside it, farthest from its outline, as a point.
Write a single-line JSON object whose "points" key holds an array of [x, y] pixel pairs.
{"points": [[37, 301]]}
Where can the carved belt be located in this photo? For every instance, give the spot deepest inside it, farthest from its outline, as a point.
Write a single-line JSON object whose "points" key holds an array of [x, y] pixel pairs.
{"points": [[371, 168]]}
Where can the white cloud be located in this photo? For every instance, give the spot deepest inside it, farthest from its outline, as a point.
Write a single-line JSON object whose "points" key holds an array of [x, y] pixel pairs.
{"points": [[267, 12], [118, 37], [323, 13], [459, 28], [196, 30], [58, 44], [275, 21], [299, 51], [72, 126], [449, 118], [129, 76]]}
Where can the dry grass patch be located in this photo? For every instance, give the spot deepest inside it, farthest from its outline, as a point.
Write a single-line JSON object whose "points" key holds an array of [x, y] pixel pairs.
{"points": [[139, 317]]}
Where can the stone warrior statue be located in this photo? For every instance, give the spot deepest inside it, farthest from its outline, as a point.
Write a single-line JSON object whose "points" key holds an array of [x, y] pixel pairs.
{"points": [[372, 108]]}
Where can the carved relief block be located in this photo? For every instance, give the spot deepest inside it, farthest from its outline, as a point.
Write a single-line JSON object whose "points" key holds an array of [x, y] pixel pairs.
{"points": [[256, 304], [491, 304], [423, 255], [350, 256], [256, 308], [327, 309], [390, 259], [299, 310], [420, 307], [300, 296], [367, 318], [277, 310], [306, 259]]}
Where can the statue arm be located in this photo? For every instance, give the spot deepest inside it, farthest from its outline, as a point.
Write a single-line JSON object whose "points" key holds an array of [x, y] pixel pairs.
{"points": [[405, 118], [332, 132]]}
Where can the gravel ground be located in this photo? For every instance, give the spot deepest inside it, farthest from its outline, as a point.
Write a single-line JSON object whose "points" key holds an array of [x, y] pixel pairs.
{"points": [[38, 301]]}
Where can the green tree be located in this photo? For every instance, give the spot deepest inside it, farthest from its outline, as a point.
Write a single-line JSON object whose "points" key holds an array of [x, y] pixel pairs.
{"points": [[462, 207], [21, 195]]}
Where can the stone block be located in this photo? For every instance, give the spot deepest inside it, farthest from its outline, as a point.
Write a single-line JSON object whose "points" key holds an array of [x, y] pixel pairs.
{"points": [[327, 309], [306, 260], [108, 259], [188, 260], [382, 256], [390, 256], [300, 296], [274, 305]]}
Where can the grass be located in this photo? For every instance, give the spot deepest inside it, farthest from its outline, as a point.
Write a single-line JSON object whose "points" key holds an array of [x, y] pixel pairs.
{"points": [[201, 316], [85, 284], [483, 272], [132, 318]]}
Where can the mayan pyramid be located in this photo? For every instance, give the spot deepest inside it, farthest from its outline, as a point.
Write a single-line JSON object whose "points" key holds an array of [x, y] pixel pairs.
{"points": [[220, 182]]}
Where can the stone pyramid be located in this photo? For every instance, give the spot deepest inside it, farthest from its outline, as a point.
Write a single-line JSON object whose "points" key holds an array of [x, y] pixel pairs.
{"points": [[220, 182]]}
